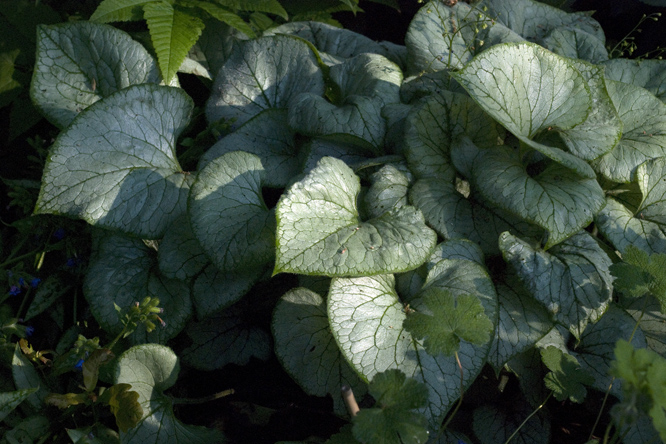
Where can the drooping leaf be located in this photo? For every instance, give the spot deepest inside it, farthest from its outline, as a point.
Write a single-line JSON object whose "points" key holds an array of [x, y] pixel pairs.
{"points": [[173, 33], [228, 214], [262, 74], [453, 319], [10, 400], [572, 280], [116, 165], [643, 137], [124, 404], [566, 378], [151, 369], [122, 271], [307, 349], [556, 199], [392, 420], [80, 63], [91, 366], [529, 90], [225, 338], [319, 230]]}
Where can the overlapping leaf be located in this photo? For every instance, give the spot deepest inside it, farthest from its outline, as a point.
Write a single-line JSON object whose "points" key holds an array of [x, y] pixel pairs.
{"points": [[566, 378], [646, 73], [319, 230], [116, 165]]}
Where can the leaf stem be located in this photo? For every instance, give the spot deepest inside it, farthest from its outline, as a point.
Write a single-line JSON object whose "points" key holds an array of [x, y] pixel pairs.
{"points": [[460, 400], [534, 412], [350, 400], [203, 399]]}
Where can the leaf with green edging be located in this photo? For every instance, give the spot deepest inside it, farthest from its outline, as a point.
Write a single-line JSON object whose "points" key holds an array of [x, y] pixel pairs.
{"points": [[651, 177], [556, 199], [528, 89], [228, 214], [123, 271], [572, 280], [307, 350], [80, 63], [115, 165], [151, 369], [566, 378], [319, 231], [9, 400], [262, 74], [452, 319], [576, 44], [392, 420]]}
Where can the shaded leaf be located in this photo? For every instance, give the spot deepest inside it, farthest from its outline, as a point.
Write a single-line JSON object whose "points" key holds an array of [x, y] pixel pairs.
{"points": [[566, 378]]}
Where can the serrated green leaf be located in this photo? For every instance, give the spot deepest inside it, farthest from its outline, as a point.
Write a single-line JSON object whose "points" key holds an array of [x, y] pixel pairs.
{"points": [[173, 33], [80, 63], [116, 165], [225, 338], [556, 199], [528, 104], [392, 421], [452, 319], [268, 136], [572, 280], [640, 273], [228, 214], [122, 271], [10, 400], [646, 73], [151, 369], [262, 74], [319, 230], [566, 378], [433, 127], [307, 350], [119, 10], [643, 137]]}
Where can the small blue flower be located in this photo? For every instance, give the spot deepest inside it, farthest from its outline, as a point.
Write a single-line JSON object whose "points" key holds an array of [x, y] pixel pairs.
{"points": [[29, 330], [79, 365], [22, 282], [14, 290], [35, 282], [59, 234]]}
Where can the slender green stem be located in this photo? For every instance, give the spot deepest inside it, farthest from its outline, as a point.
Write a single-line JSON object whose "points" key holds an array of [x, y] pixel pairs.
{"points": [[460, 400], [534, 412], [18, 258]]}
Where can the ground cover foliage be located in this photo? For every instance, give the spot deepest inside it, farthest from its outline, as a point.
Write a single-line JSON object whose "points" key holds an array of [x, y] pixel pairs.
{"points": [[468, 230]]}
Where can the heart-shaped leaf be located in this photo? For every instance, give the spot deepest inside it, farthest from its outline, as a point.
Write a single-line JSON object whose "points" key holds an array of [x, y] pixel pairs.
{"points": [[319, 230], [307, 350], [80, 63], [115, 166], [151, 369], [122, 271], [262, 74], [572, 280], [556, 199], [228, 214], [180, 255]]}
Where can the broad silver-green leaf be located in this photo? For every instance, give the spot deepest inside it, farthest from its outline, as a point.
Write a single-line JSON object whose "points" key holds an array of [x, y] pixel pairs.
{"points": [[262, 74], [335, 45], [572, 280], [351, 153], [225, 338], [307, 350], [456, 249], [366, 318], [434, 126], [115, 166], [151, 369], [426, 84], [646, 73], [388, 190], [597, 345], [180, 255], [228, 214], [556, 199], [319, 230], [456, 216], [651, 176], [122, 271], [369, 75], [522, 322], [644, 135], [534, 20], [576, 44], [623, 228], [9, 400], [442, 37], [495, 425], [529, 90], [27, 378], [80, 63], [268, 136], [647, 311]]}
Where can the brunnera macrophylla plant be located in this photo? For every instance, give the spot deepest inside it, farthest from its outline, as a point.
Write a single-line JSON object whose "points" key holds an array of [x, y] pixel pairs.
{"points": [[449, 204]]}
